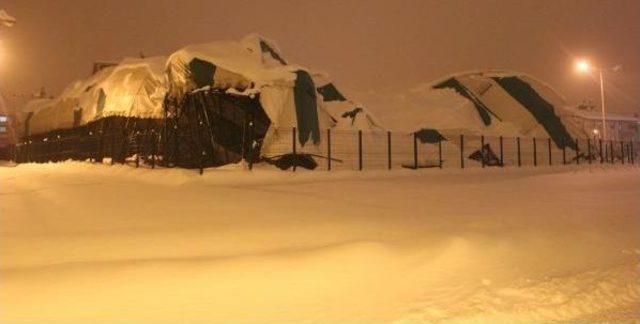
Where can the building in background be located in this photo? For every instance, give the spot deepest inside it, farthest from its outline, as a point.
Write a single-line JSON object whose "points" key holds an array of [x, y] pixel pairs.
{"points": [[7, 136], [619, 127]]}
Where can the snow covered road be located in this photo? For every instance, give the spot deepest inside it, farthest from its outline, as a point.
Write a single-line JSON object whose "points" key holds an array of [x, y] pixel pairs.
{"points": [[82, 242]]}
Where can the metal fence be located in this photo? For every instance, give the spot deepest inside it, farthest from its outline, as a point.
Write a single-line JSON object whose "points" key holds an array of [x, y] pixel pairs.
{"points": [[344, 150], [115, 147], [366, 150]]}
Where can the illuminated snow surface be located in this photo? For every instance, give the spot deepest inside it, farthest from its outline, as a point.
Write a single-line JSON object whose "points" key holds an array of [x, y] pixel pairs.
{"points": [[84, 243]]}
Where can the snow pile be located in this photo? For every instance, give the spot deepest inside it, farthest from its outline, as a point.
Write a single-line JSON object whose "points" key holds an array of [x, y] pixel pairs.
{"points": [[81, 242]]}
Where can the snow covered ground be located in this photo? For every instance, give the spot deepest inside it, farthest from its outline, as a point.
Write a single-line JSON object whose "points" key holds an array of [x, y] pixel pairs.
{"points": [[87, 243]]}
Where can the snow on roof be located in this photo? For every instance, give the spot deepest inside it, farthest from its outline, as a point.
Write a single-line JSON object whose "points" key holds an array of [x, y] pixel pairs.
{"points": [[254, 58], [137, 87], [347, 113], [538, 84], [134, 87], [473, 103], [35, 105], [425, 107], [6, 19]]}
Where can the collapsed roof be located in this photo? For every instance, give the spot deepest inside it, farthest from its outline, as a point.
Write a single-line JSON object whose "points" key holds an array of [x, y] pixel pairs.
{"points": [[252, 66], [133, 88], [491, 103]]}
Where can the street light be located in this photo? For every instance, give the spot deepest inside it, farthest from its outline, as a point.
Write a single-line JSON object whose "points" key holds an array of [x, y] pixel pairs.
{"points": [[584, 66]]}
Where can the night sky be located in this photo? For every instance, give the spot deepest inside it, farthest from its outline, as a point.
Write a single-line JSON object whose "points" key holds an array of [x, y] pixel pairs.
{"points": [[364, 45]]}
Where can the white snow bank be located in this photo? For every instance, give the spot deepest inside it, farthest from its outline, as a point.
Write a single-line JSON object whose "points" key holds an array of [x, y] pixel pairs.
{"points": [[82, 242]]}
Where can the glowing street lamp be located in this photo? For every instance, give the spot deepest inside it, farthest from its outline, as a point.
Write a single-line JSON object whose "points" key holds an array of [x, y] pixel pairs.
{"points": [[583, 66]]}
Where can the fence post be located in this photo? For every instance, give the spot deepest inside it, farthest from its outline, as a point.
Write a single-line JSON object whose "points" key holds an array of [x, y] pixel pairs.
{"points": [[535, 153], [176, 142], [102, 122], [622, 151], [60, 156], [461, 151], [549, 146], [250, 141], [518, 146], [113, 144], [577, 152], [564, 152], [613, 161], [601, 152], [440, 153], [633, 156], [137, 151], [293, 148], [92, 144], [482, 149], [389, 150], [501, 153], [142, 143], [360, 149], [28, 151], [154, 149], [415, 151], [589, 149], [328, 149]]}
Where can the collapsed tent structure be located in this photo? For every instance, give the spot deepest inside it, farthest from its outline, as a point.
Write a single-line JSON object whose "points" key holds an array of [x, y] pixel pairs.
{"points": [[531, 106], [223, 102], [489, 104], [503, 103], [205, 105]]}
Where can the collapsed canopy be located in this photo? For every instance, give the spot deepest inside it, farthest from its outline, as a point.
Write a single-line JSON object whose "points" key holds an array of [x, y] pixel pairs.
{"points": [[527, 104], [132, 88], [490, 103], [290, 95]]}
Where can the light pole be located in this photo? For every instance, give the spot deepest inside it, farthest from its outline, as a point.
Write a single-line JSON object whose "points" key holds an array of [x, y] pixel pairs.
{"points": [[585, 67], [604, 111]]}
